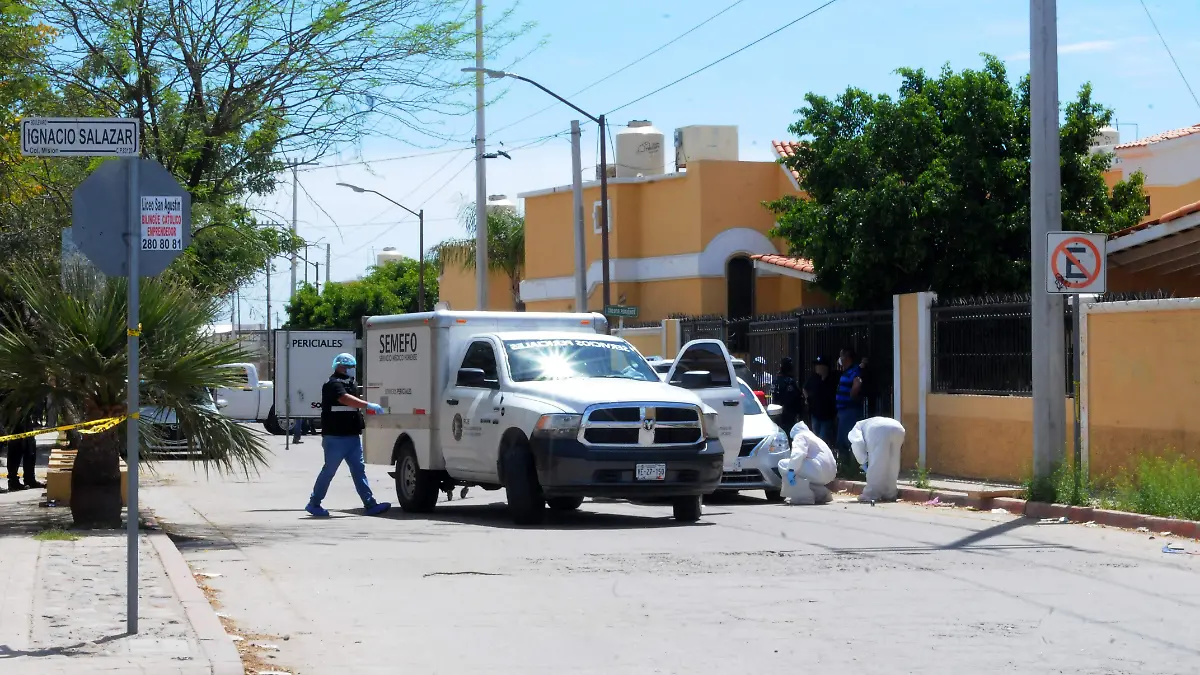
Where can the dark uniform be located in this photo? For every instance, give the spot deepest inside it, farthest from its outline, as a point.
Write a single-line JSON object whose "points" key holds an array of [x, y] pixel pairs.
{"points": [[338, 419], [341, 439]]}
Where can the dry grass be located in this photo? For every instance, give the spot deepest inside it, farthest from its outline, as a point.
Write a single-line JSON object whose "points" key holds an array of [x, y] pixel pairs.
{"points": [[255, 657]]}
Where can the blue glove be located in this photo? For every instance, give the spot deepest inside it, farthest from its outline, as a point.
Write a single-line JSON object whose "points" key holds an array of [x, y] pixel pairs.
{"points": [[374, 409]]}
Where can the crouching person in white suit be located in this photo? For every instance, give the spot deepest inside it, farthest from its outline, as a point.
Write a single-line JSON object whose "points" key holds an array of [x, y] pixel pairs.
{"points": [[810, 469], [876, 443]]}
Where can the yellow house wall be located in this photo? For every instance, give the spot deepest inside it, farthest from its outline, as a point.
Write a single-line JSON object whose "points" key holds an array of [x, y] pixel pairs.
{"points": [[457, 287], [1143, 382], [982, 437], [1167, 198]]}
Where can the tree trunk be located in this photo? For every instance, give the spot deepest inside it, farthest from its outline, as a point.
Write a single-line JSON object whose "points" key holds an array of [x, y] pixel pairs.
{"points": [[96, 480]]}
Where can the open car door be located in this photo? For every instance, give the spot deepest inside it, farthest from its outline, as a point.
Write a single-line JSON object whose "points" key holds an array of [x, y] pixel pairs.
{"points": [[719, 389]]}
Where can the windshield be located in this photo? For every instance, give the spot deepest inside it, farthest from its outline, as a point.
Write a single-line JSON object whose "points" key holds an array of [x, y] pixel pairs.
{"points": [[749, 401], [564, 359]]}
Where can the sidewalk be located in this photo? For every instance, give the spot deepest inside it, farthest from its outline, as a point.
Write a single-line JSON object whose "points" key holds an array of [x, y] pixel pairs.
{"points": [[62, 603]]}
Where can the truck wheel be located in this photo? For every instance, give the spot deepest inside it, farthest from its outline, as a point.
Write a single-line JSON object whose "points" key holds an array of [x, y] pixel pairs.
{"points": [[271, 424], [686, 509], [774, 496], [526, 502], [416, 489], [564, 503]]}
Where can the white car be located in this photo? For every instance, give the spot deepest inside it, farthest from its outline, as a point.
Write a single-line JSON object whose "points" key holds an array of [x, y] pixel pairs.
{"points": [[760, 434]]}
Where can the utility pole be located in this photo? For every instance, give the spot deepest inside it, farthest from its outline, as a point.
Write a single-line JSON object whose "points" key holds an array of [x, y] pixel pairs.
{"points": [[318, 266], [328, 268], [267, 318], [604, 212], [581, 303], [295, 194], [481, 224], [1049, 342]]}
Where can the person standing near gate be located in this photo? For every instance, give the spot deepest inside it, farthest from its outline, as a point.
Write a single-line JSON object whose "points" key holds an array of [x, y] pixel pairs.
{"points": [[820, 393], [341, 437], [849, 401], [786, 394]]}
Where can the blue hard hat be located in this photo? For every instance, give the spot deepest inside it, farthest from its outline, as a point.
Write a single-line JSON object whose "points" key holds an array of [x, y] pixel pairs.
{"points": [[345, 359]]}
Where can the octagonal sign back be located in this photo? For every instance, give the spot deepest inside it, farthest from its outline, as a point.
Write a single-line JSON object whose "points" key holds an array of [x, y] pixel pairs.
{"points": [[100, 218]]}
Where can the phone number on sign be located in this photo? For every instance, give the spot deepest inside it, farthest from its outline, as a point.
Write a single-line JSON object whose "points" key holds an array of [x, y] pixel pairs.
{"points": [[150, 244]]}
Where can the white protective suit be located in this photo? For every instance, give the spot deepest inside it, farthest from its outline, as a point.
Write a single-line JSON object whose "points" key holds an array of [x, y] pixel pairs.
{"points": [[876, 443], [809, 470]]}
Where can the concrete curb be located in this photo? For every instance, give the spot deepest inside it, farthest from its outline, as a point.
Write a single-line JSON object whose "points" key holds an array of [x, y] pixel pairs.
{"points": [[1189, 529], [218, 648]]}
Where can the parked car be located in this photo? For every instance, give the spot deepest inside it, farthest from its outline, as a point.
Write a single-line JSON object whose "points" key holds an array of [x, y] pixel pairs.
{"points": [[663, 368], [251, 400], [759, 433], [167, 439]]}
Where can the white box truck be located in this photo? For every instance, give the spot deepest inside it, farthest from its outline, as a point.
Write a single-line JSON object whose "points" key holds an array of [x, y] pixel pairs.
{"points": [[544, 405], [303, 364]]}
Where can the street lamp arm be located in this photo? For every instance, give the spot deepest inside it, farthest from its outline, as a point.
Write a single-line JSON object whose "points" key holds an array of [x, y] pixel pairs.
{"points": [[563, 100], [393, 201]]}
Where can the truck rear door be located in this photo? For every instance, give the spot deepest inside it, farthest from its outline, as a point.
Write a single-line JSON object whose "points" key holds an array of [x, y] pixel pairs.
{"points": [[721, 392]]}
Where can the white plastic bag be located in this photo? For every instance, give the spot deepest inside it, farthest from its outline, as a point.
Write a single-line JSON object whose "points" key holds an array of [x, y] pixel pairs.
{"points": [[876, 444], [795, 488]]}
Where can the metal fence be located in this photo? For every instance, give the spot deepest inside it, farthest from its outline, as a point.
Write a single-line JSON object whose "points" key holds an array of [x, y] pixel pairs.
{"points": [[764, 341], [985, 346]]}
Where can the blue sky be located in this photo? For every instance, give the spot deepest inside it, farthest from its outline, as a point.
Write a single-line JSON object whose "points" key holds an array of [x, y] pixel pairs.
{"points": [[1110, 43]]}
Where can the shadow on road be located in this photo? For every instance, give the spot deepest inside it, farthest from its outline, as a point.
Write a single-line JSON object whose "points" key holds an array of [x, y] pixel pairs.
{"points": [[496, 515], [7, 652]]}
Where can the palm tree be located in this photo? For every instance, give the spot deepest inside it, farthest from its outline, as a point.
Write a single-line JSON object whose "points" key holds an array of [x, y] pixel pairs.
{"points": [[63, 340], [506, 246]]}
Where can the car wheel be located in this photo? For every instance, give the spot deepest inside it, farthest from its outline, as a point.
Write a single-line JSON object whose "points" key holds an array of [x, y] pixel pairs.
{"points": [[526, 503], [416, 489], [564, 503], [774, 496], [271, 425], [686, 509]]}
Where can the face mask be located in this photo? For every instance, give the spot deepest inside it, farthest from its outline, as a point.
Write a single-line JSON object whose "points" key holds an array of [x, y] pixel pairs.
{"points": [[350, 372]]}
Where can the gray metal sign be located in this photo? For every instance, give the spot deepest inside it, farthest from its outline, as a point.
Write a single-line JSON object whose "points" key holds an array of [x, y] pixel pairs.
{"points": [[79, 137], [100, 218]]}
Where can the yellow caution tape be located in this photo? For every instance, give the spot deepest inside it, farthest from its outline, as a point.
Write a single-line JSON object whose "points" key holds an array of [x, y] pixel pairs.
{"points": [[93, 427]]}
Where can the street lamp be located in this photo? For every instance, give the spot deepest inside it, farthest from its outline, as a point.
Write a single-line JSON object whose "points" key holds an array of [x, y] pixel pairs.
{"points": [[421, 245], [497, 74]]}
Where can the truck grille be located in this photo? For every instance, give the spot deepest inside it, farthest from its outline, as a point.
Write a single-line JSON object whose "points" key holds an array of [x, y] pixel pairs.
{"points": [[748, 446], [641, 425]]}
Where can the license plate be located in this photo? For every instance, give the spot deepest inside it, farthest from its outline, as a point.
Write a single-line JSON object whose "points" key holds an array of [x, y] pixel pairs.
{"points": [[650, 472], [737, 464]]}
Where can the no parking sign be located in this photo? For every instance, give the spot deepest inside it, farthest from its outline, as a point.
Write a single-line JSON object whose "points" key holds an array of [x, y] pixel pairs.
{"points": [[1077, 262]]}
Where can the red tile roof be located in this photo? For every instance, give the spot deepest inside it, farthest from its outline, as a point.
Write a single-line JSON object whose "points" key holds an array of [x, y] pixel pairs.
{"points": [[1164, 136], [1178, 213], [787, 149], [793, 263]]}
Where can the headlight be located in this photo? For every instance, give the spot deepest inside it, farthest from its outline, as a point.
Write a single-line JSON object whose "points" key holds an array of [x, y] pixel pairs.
{"points": [[712, 425], [775, 443], [557, 425]]}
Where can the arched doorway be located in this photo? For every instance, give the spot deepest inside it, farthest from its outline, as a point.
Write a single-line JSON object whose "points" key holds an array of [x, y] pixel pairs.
{"points": [[739, 282]]}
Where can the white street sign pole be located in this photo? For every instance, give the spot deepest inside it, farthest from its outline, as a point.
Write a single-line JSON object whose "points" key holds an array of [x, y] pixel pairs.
{"points": [[134, 384]]}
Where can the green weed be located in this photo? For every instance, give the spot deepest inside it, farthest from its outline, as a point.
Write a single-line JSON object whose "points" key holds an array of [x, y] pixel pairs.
{"points": [[921, 480], [56, 534], [1159, 485], [1063, 486]]}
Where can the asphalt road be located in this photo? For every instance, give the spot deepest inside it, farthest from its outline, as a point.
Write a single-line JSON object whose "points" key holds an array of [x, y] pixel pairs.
{"points": [[620, 588]]}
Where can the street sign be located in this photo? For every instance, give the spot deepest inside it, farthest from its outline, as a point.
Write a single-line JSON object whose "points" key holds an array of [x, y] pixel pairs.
{"points": [[79, 137], [1077, 262], [621, 311], [100, 218]]}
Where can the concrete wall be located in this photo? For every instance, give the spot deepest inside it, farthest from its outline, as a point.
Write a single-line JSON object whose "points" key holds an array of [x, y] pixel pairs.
{"points": [[1142, 380], [982, 437]]}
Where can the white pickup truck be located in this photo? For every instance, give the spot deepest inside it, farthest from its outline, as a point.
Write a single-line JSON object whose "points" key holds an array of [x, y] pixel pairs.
{"points": [[546, 406], [252, 399]]}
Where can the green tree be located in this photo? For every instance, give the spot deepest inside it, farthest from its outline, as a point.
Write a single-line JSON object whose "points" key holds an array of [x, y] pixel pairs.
{"points": [[930, 190], [65, 342], [390, 288], [506, 246], [230, 91]]}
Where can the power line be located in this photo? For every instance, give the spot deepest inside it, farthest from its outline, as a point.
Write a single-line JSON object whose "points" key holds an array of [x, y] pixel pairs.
{"points": [[629, 65], [1168, 48], [724, 58]]}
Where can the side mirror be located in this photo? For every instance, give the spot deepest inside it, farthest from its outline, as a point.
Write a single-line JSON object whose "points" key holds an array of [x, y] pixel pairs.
{"points": [[222, 403], [472, 377], [695, 379], [774, 411]]}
